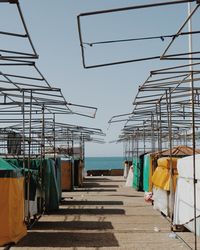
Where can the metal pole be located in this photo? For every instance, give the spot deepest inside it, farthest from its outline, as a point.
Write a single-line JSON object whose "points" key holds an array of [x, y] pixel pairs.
{"points": [[42, 200], [83, 156], [29, 156], [144, 138], [194, 163], [23, 131], [190, 35], [132, 147], [171, 191], [54, 136], [193, 121], [158, 130], [73, 162], [152, 133]]}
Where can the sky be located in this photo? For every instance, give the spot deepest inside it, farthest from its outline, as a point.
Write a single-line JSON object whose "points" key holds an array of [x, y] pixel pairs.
{"points": [[53, 28]]}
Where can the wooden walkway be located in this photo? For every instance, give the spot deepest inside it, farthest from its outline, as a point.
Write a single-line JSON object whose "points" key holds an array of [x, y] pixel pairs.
{"points": [[103, 215]]}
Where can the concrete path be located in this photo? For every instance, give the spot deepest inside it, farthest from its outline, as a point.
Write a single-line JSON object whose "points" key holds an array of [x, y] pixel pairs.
{"points": [[103, 215]]}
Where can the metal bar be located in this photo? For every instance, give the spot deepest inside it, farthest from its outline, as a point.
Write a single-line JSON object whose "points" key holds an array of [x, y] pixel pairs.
{"points": [[144, 137], [22, 77], [54, 136], [12, 34], [122, 62], [160, 37], [9, 1], [29, 158], [73, 162], [163, 56], [81, 41], [25, 27], [42, 155], [23, 138], [134, 7], [194, 160], [168, 99], [175, 67], [21, 54]]}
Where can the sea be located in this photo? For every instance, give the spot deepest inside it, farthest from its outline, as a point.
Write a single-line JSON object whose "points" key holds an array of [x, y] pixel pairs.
{"points": [[104, 163]]}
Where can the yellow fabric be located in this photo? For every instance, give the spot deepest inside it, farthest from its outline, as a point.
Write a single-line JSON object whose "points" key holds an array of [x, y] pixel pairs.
{"points": [[165, 162], [161, 176], [12, 227]]}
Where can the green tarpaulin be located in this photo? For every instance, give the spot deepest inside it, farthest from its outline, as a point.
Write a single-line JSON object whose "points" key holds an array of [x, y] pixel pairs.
{"points": [[146, 173]]}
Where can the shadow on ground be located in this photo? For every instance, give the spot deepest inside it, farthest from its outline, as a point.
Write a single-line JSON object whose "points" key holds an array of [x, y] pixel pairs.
{"points": [[72, 225], [68, 239], [98, 185], [93, 179], [83, 202], [93, 211], [96, 190], [96, 179], [125, 195]]}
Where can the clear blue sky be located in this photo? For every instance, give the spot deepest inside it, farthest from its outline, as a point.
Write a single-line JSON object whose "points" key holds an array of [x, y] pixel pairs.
{"points": [[53, 28]]}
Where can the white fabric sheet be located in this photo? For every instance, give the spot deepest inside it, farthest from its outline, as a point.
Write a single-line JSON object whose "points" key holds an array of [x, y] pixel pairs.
{"points": [[129, 180], [32, 205], [126, 170], [184, 201], [160, 200], [185, 167]]}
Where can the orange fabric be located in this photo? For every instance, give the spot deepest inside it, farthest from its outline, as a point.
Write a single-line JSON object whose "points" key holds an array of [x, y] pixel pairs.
{"points": [[66, 175], [12, 227]]}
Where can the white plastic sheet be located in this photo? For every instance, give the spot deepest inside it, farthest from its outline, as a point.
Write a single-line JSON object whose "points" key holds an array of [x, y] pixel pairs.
{"points": [[33, 210], [129, 180], [184, 201], [185, 167], [160, 200], [126, 170]]}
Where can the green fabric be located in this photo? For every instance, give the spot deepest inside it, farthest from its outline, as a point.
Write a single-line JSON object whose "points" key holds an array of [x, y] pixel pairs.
{"points": [[35, 164], [50, 183], [20, 163], [12, 161], [135, 173], [9, 171], [17, 164], [58, 176], [76, 176], [138, 174], [50, 186], [33, 183], [146, 172]]}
